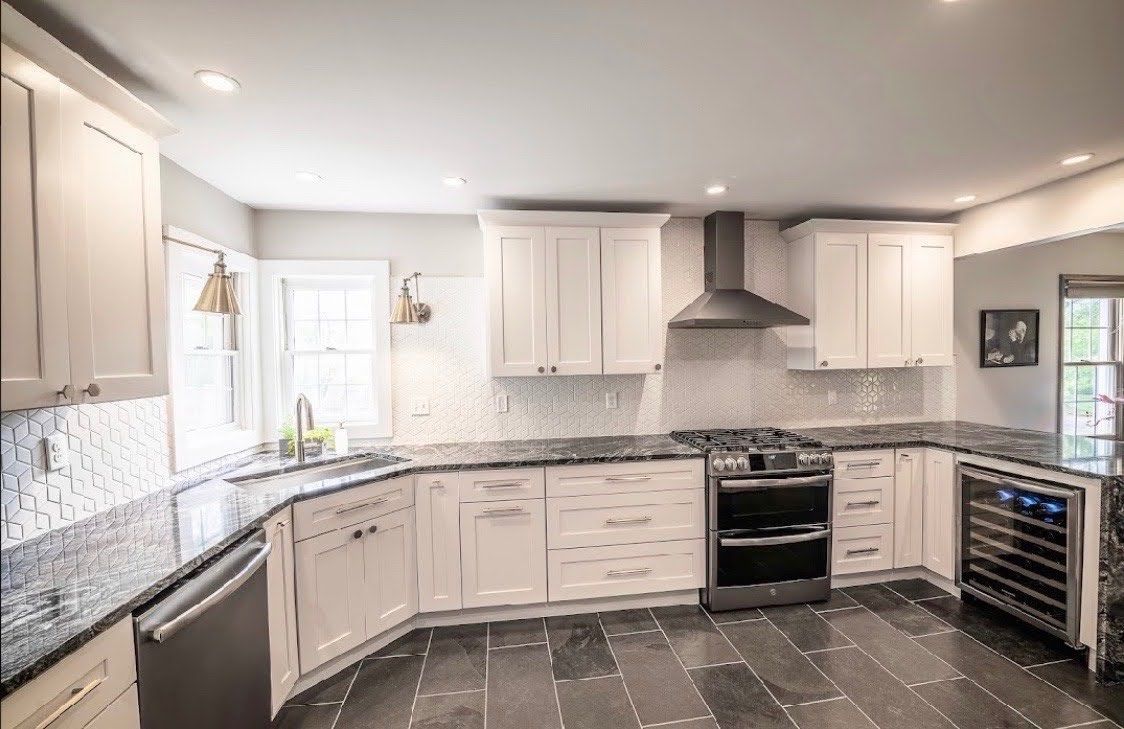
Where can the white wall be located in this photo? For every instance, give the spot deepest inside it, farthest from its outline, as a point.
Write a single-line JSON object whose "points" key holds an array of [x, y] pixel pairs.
{"points": [[1080, 204], [193, 204], [1017, 278], [436, 245]]}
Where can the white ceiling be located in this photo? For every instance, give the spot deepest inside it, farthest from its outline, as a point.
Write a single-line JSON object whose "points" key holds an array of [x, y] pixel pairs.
{"points": [[801, 106]]}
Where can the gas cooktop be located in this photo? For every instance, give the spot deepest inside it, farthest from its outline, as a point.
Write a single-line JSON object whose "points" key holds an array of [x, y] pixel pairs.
{"points": [[745, 439]]}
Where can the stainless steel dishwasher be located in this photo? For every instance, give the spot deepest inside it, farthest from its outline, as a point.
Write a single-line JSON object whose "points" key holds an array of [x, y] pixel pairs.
{"points": [[203, 648]]}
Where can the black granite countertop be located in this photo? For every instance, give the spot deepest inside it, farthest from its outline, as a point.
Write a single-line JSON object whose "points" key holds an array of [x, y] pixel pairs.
{"points": [[61, 589], [1078, 455]]}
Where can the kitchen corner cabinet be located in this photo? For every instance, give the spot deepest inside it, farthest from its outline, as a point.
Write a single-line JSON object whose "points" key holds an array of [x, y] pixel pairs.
{"points": [[572, 293], [83, 315], [878, 294], [284, 665], [939, 538]]}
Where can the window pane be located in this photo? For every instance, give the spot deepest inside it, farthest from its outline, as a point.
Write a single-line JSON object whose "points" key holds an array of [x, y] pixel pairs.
{"points": [[359, 369], [358, 304], [332, 305], [333, 399], [333, 335], [305, 305], [360, 334], [306, 335], [359, 399], [332, 369], [209, 388]]}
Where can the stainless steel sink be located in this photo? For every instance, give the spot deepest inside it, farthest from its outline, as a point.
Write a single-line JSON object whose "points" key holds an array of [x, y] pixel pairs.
{"points": [[314, 472]]}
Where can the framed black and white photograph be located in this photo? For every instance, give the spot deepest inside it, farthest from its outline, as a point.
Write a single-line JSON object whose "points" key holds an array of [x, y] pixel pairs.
{"points": [[1008, 337]]}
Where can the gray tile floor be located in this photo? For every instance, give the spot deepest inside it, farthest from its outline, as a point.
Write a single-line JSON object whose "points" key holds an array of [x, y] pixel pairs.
{"points": [[903, 654]]}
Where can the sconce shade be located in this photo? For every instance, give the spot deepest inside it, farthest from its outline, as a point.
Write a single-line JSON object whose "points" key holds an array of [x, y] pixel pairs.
{"points": [[404, 312], [218, 295]]}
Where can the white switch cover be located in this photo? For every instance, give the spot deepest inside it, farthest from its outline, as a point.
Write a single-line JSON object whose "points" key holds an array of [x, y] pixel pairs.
{"points": [[421, 406], [57, 451], [610, 401], [832, 397], [502, 404]]}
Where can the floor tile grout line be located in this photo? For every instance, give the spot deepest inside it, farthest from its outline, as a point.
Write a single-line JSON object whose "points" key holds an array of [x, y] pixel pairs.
{"points": [[518, 645], [1084, 723], [835, 610], [677, 721], [587, 678], [450, 693], [936, 632], [554, 681], [684, 666], [842, 697], [912, 604], [734, 622], [421, 675], [350, 685], [825, 650], [613, 653], [936, 680], [631, 632], [1037, 665], [487, 661]]}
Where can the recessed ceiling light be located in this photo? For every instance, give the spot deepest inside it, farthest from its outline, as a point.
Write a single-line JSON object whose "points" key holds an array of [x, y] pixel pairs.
{"points": [[454, 181], [306, 176], [218, 81], [716, 189], [1077, 159], [964, 199]]}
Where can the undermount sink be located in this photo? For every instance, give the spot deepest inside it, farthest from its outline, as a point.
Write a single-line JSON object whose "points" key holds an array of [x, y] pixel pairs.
{"points": [[314, 472]]}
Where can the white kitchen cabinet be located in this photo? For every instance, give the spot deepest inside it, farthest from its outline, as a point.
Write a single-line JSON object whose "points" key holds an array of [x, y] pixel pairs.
{"points": [[827, 283], [515, 271], [284, 658], [331, 617], [439, 542], [862, 501], [627, 569], [389, 571], [633, 327], [889, 276], [857, 549], [931, 300], [939, 534], [503, 552], [909, 497], [123, 713], [573, 300]]}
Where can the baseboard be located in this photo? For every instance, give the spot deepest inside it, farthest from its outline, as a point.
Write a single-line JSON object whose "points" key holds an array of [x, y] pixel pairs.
{"points": [[903, 573]]}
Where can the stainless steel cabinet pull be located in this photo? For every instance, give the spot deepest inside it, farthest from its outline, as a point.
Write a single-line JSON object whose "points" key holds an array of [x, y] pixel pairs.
{"points": [[167, 630], [364, 505], [862, 464], [507, 485], [628, 478], [628, 520], [505, 510], [861, 503], [867, 550], [751, 484], [76, 695], [625, 573], [769, 541]]}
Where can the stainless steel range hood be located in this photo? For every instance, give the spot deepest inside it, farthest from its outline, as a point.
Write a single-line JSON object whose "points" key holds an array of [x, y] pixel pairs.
{"points": [[726, 304]]}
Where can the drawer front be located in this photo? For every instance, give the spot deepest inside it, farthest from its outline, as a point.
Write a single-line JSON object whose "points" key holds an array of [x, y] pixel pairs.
{"points": [[347, 508], [76, 689], [862, 549], [504, 484], [630, 569], [591, 521], [620, 478], [863, 464], [123, 713], [859, 501]]}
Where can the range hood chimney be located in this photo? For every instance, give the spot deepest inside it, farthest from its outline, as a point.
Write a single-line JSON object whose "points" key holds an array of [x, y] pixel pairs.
{"points": [[725, 304]]}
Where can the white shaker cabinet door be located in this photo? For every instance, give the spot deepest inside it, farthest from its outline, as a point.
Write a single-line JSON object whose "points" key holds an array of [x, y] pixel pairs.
{"points": [[931, 293], [940, 513], [909, 496], [34, 346], [331, 616], [573, 300], [631, 300], [281, 578], [390, 571], [888, 300], [840, 301], [515, 272], [439, 542], [503, 552], [115, 255]]}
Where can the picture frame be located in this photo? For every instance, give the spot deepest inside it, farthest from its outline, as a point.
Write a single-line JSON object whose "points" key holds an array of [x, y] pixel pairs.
{"points": [[1009, 338]]}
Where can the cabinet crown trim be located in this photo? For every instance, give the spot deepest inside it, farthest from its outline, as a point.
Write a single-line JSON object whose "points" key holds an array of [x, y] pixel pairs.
{"points": [[489, 218], [835, 225]]}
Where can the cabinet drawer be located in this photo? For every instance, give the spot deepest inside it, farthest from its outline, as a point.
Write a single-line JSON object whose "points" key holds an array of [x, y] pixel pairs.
{"points": [[590, 521], [630, 569], [859, 501], [324, 514], [864, 464], [77, 688], [862, 549], [620, 478], [123, 713], [505, 484]]}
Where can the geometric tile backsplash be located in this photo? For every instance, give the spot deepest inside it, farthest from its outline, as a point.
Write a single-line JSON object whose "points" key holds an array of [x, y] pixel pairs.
{"points": [[710, 378]]}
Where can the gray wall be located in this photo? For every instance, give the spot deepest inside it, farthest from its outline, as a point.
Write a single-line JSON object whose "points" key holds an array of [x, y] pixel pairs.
{"points": [[436, 245], [193, 204], [1016, 278]]}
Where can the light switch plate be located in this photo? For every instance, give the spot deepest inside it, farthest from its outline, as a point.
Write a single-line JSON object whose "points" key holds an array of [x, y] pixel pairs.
{"points": [[610, 401], [57, 451], [502, 404], [832, 397], [421, 406]]}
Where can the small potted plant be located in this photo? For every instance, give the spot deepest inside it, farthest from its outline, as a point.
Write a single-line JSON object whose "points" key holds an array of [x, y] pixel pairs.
{"points": [[315, 440]]}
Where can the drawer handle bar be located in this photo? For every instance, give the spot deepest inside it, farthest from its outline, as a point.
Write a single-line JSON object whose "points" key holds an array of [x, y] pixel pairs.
{"points": [[507, 485], [364, 505], [76, 695], [626, 573], [628, 478], [754, 484], [861, 503], [768, 541], [628, 520], [862, 464], [1031, 486], [505, 510], [867, 550]]}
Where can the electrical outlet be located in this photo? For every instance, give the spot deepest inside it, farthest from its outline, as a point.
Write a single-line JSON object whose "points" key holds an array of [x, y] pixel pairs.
{"points": [[610, 401], [57, 451], [502, 404], [421, 406], [832, 397]]}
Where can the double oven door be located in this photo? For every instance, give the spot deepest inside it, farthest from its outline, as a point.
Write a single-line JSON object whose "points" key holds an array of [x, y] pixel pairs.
{"points": [[769, 540]]}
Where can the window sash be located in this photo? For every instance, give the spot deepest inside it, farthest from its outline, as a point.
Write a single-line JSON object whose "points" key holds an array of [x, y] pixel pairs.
{"points": [[1077, 289]]}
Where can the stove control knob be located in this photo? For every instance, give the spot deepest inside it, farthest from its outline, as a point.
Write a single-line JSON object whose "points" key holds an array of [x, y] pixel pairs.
{"points": [[731, 464], [718, 464], [743, 462], [821, 459], [827, 459], [803, 459]]}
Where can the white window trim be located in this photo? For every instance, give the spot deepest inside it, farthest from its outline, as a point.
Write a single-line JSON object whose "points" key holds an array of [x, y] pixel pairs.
{"points": [[272, 273], [193, 448]]}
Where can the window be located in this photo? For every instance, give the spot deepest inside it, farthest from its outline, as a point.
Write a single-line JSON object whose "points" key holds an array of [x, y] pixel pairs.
{"points": [[1092, 359], [212, 359]]}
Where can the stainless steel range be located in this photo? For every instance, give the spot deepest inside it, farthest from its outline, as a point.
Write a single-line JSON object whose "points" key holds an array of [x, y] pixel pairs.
{"points": [[768, 517]]}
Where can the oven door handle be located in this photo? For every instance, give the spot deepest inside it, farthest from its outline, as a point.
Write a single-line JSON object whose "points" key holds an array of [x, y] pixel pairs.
{"points": [[768, 541], [755, 484]]}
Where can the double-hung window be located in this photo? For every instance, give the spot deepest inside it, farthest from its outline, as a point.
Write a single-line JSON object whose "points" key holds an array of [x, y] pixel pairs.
{"points": [[1092, 356]]}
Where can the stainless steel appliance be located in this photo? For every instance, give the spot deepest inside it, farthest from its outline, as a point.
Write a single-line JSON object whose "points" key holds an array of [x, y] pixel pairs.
{"points": [[768, 517], [203, 647], [1020, 547]]}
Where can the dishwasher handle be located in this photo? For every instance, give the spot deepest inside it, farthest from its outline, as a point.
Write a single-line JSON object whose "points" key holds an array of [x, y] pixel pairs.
{"points": [[166, 630]]}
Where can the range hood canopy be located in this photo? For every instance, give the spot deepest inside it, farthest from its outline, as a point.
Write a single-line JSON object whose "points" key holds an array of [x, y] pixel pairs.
{"points": [[725, 303]]}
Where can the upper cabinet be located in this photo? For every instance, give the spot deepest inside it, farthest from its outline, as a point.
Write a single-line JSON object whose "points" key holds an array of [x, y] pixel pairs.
{"points": [[573, 293], [82, 257], [878, 294]]}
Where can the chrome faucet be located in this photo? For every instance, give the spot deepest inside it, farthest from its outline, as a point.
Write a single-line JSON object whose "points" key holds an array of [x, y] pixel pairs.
{"points": [[304, 419]]}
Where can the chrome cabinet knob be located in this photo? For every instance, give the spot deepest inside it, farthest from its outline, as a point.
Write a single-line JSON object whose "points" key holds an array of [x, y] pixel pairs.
{"points": [[541, 370], [553, 368], [357, 533], [919, 361], [659, 367], [373, 528], [93, 389], [824, 363], [67, 391]]}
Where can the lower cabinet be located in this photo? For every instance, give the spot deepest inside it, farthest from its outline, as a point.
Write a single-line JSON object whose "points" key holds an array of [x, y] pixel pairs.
{"points": [[284, 665], [439, 542], [123, 713], [939, 538], [354, 583], [862, 549], [909, 497], [503, 552], [626, 569]]}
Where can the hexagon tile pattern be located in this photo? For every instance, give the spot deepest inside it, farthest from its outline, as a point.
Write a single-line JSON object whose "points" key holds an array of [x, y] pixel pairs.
{"points": [[118, 451]]}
